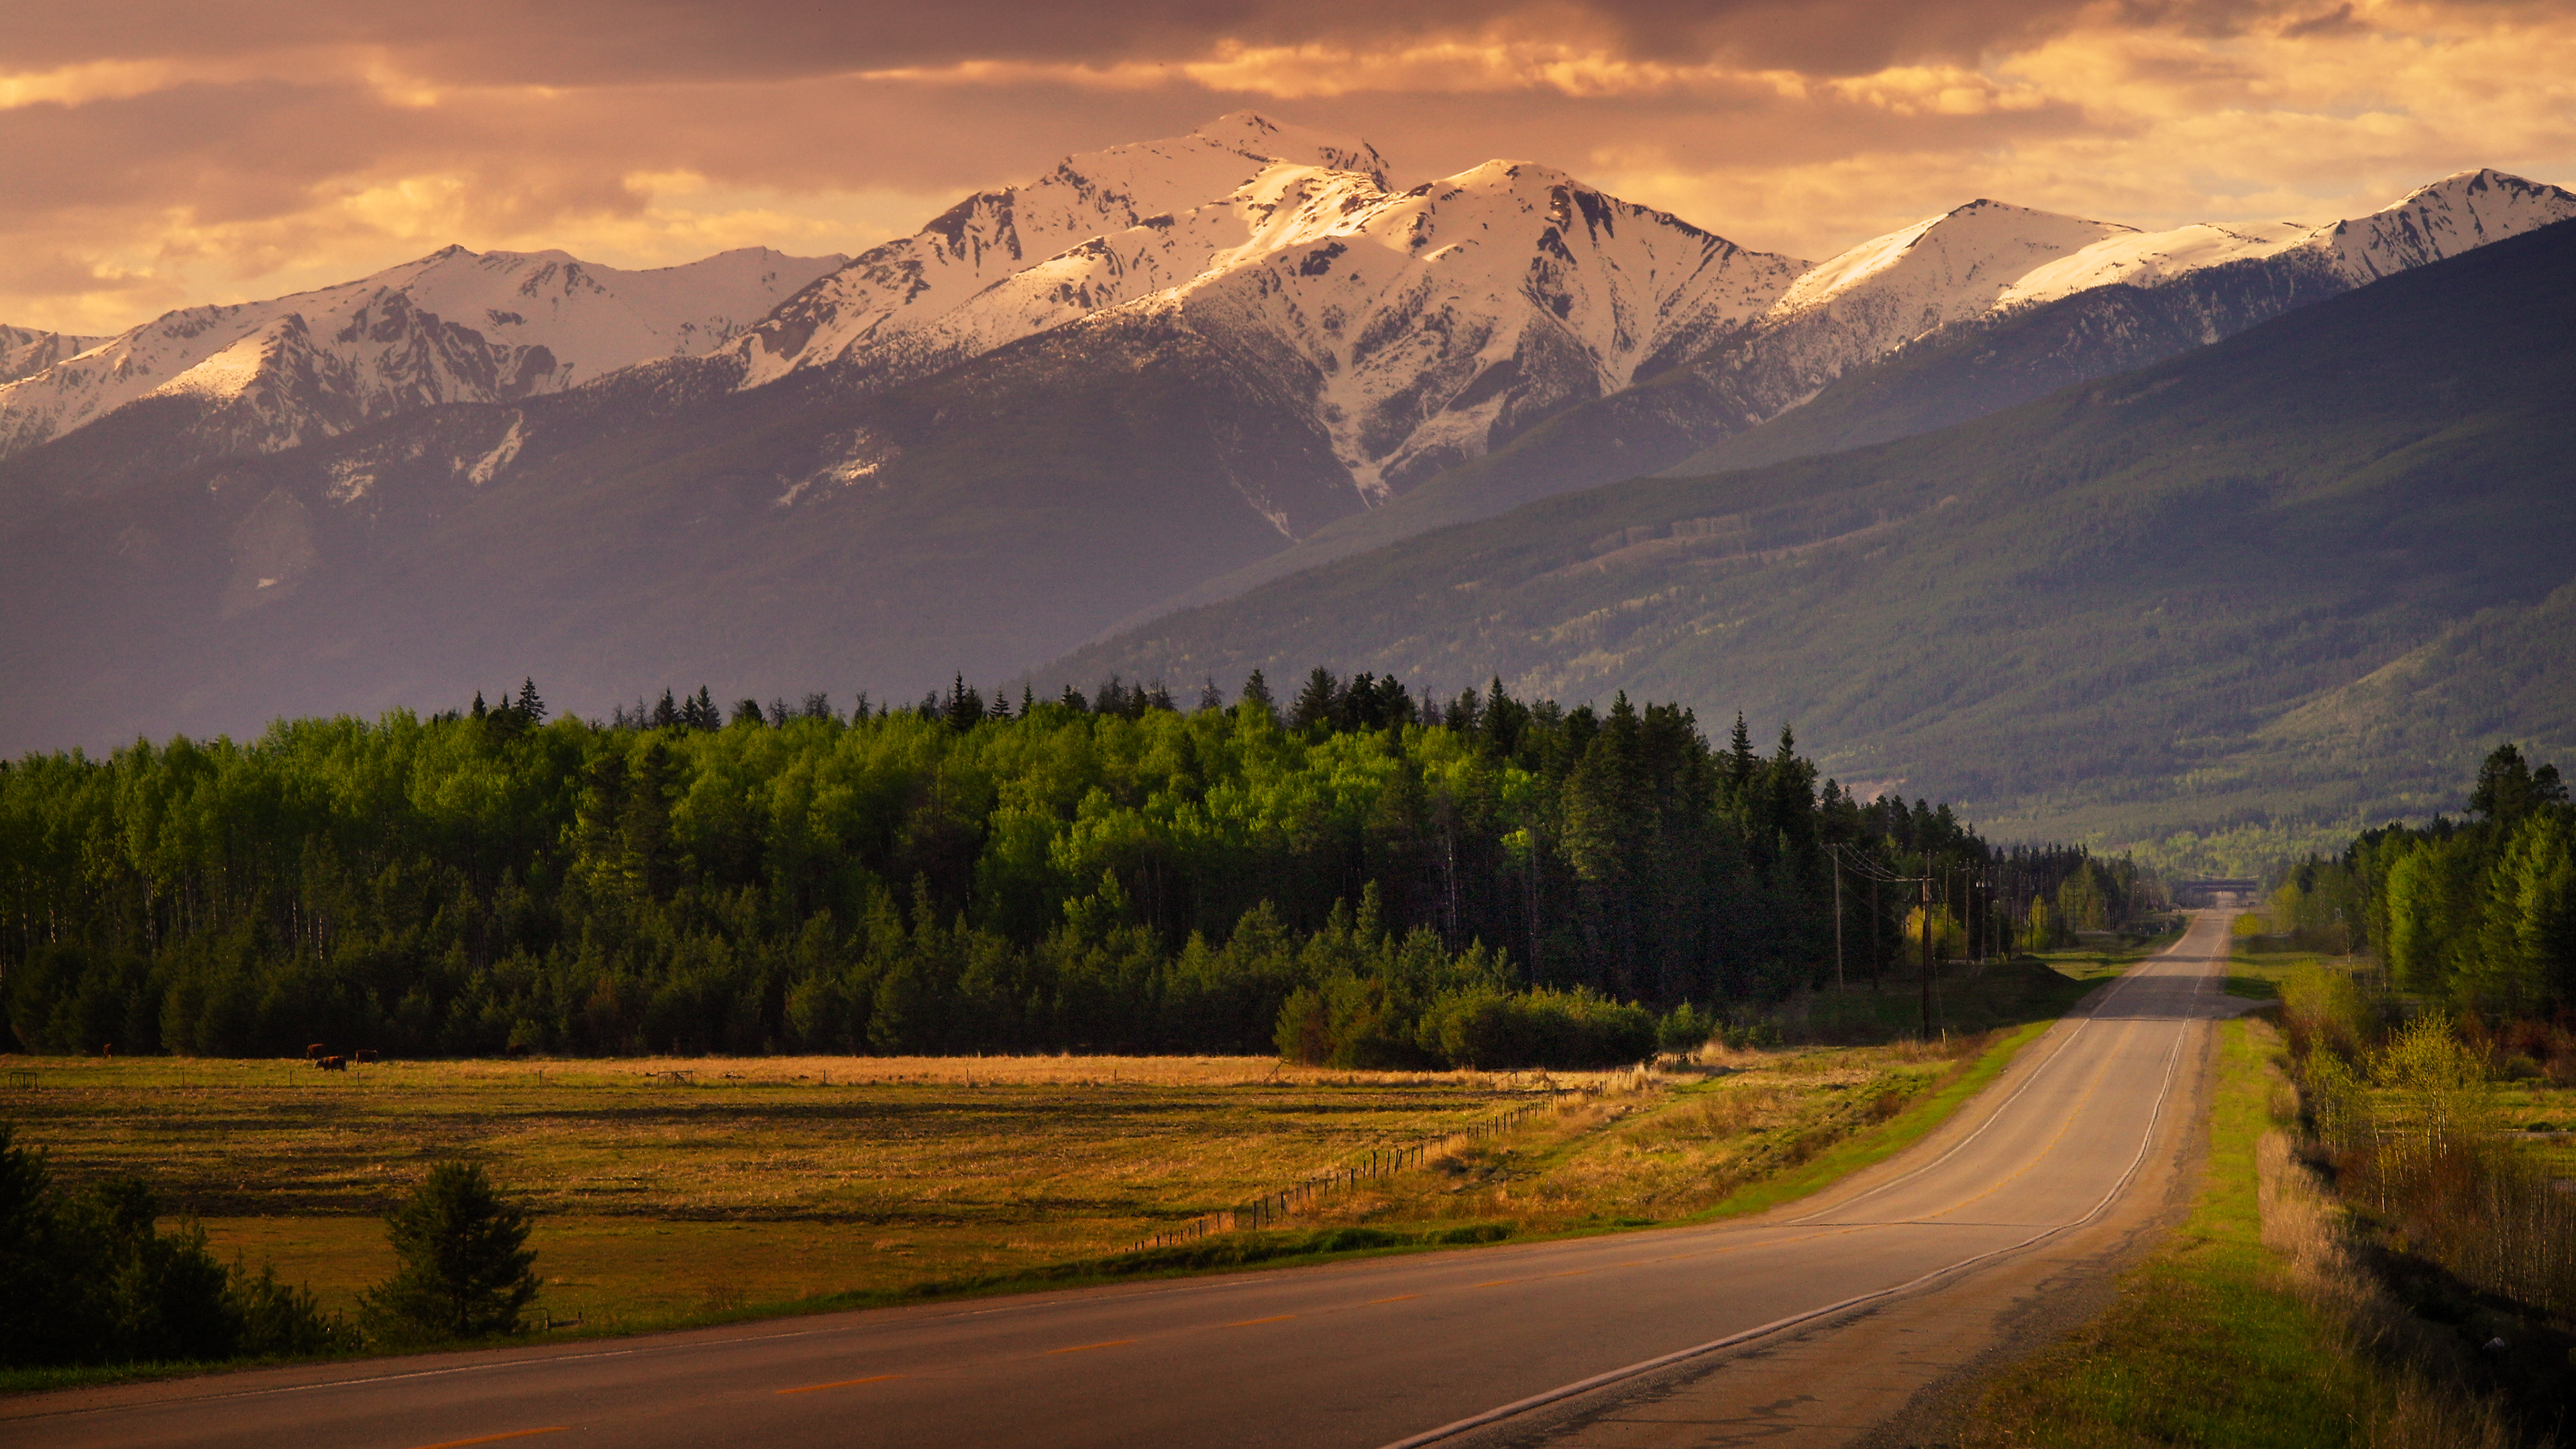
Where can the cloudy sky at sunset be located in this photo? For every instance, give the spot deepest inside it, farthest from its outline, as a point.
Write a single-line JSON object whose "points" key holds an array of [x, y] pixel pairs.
{"points": [[156, 153]]}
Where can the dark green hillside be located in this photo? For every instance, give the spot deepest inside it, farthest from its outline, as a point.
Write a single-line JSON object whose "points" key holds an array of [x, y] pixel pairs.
{"points": [[2103, 609]]}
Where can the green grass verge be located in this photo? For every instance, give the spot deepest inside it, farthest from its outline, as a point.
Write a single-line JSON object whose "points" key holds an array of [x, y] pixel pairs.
{"points": [[2205, 1344], [1880, 1143]]}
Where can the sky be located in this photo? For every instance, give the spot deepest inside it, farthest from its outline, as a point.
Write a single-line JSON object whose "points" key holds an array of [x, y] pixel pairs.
{"points": [[164, 153]]}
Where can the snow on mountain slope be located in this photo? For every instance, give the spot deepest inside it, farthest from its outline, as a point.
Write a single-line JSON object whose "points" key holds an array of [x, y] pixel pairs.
{"points": [[1968, 268], [1944, 269], [1445, 318], [876, 310], [1281, 206], [455, 326], [2455, 214], [26, 351], [2148, 259], [2443, 219]]}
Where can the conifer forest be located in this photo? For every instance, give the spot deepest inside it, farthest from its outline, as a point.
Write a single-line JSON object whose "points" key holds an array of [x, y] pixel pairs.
{"points": [[1354, 876]]}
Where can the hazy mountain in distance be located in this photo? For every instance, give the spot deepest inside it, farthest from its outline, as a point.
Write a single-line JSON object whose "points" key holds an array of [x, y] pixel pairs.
{"points": [[454, 326], [2221, 588]]}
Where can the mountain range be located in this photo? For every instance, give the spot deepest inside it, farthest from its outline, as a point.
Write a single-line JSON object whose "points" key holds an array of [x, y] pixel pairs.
{"points": [[2313, 571], [1156, 376]]}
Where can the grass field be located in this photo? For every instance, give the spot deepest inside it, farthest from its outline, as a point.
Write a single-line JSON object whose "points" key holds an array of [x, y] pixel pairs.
{"points": [[740, 1186]]}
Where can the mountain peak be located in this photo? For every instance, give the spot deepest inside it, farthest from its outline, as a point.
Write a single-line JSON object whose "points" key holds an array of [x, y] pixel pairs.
{"points": [[1255, 134], [2462, 211], [1952, 265]]}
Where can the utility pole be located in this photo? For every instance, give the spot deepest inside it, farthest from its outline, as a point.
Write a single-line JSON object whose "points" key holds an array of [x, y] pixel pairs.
{"points": [[1923, 896], [1838, 918], [1877, 954]]}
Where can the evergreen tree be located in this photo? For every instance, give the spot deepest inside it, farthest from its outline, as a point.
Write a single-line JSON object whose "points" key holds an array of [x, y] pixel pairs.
{"points": [[666, 714], [1740, 761], [1209, 696], [479, 711], [1256, 692], [530, 707], [1319, 705], [2509, 789], [465, 1268], [707, 717], [746, 711], [965, 707]]}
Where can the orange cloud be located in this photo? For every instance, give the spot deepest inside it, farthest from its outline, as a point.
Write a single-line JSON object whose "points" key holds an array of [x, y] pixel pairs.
{"points": [[159, 154]]}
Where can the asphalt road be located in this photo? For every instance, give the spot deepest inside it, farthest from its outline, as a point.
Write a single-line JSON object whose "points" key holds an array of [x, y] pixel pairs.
{"points": [[1471, 1344]]}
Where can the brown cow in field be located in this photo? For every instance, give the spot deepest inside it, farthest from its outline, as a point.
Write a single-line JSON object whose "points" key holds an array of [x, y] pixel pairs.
{"points": [[316, 1052], [366, 1055], [333, 1064]]}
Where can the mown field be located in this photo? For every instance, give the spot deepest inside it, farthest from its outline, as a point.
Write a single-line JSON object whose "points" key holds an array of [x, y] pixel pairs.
{"points": [[752, 1184]]}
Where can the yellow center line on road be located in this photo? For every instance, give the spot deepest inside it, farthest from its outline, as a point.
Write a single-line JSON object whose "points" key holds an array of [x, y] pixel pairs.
{"points": [[1246, 1322], [1571, 1273], [841, 1384], [1495, 1283], [497, 1438], [1088, 1347], [1399, 1298]]}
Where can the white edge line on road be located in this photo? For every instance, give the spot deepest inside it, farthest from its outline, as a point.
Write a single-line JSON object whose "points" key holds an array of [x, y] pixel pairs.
{"points": [[2146, 1140]]}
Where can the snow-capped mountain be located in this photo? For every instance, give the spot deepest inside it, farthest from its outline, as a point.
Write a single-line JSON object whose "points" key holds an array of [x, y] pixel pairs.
{"points": [[1175, 206], [2442, 219], [455, 326], [26, 351], [1441, 321], [1935, 323], [1153, 374], [1415, 329]]}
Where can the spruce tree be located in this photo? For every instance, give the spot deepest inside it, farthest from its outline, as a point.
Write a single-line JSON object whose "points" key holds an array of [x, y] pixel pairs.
{"points": [[466, 1270], [530, 707], [1319, 704]]}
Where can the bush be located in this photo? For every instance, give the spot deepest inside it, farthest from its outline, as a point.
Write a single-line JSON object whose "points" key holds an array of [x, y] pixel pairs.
{"points": [[86, 1278], [1485, 1027], [466, 1269], [1686, 1029]]}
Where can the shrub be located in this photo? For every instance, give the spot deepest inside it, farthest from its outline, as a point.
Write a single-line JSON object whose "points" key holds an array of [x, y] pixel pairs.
{"points": [[87, 1278], [1687, 1028], [466, 1269]]}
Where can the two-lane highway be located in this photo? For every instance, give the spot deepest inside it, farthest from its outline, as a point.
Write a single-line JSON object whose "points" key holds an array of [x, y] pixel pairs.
{"points": [[1363, 1354]]}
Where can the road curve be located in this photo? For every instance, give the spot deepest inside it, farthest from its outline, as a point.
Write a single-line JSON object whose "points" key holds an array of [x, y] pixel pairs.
{"points": [[1459, 1345]]}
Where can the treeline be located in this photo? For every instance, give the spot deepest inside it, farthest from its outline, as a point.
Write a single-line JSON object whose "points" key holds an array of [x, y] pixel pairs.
{"points": [[2478, 913], [1359, 876]]}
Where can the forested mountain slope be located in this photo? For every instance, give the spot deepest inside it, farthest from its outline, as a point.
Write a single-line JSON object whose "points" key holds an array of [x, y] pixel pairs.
{"points": [[2101, 610]]}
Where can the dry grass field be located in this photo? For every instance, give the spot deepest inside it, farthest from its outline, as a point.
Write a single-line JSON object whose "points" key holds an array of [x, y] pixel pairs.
{"points": [[669, 1191]]}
